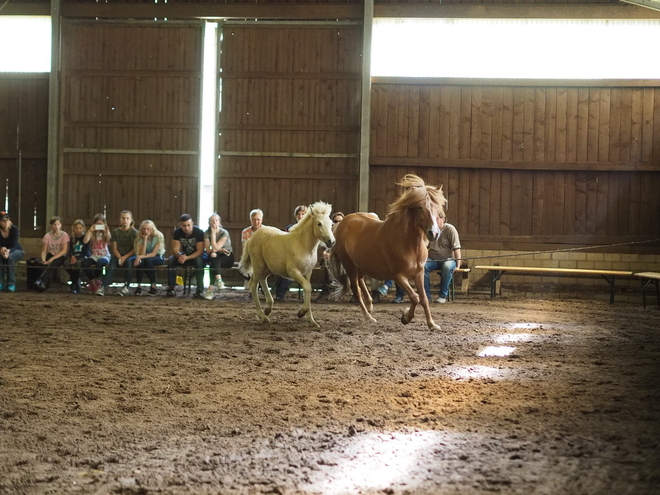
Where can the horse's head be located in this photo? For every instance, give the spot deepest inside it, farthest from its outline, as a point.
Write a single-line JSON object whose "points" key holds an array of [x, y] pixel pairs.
{"points": [[424, 203], [322, 225]]}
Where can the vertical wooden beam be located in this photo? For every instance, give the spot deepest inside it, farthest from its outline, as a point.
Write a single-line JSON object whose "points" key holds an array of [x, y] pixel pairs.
{"points": [[365, 118], [52, 168]]}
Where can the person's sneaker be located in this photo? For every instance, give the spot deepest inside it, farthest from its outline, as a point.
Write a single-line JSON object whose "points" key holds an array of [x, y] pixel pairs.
{"points": [[198, 295], [170, 292], [40, 285], [123, 292], [219, 284], [208, 293], [100, 291], [397, 300], [11, 288], [383, 290], [138, 291], [75, 288], [441, 300], [152, 291]]}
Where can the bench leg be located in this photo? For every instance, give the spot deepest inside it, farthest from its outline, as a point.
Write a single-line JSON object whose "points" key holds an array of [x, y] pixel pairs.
{"points": [[494, 276], [611, 282]]}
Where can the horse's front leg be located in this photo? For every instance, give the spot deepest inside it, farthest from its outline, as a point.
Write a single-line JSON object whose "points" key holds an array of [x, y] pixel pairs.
{"points": [[306, 309], [419, 282], [254, 290], [409, 313]]}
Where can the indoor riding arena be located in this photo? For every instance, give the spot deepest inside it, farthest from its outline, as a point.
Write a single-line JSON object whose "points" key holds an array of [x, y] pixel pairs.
{"points": [[143, 366]]}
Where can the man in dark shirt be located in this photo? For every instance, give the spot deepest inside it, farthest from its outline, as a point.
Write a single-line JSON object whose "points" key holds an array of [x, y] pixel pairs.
{"points": [[187, 250]]}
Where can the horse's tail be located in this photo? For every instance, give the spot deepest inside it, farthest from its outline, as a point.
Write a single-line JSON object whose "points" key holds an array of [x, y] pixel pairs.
{"points": [[245, 265], [339, 275]]}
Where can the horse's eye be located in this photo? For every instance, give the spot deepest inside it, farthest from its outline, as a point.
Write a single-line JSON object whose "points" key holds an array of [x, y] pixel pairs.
{"points": [[319, 224]]}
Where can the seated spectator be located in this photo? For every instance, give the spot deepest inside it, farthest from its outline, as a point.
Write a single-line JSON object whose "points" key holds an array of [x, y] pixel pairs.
{"points": [[187, 250], [256, 220], [149, 247], [10, 253], [219, 253], [121, 248], [53, 252], [443, 254], [98, 237], [78, 253]]}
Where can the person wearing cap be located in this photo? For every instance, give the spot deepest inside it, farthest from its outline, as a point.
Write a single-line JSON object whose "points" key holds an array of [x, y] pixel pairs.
{"points": [[10, 253]]}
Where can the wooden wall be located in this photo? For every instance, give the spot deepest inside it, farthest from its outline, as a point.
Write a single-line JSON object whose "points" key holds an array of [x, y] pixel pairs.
{"points": [[130, 121], [23, 149], [525, 164], [289, 120]]}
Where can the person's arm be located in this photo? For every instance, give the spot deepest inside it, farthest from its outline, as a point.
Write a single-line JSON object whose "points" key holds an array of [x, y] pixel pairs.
{"points": [[199, 251], [154, 251], [63, 251], [176, 251], [457, 257], [88, 234], [44, 250]]}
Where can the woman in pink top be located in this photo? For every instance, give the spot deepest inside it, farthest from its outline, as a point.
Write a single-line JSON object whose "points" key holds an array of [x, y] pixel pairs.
{"points": [[53, 252], [98, 237]]}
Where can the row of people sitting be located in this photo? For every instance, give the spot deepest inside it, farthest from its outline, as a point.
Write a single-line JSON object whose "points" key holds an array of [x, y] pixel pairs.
{"points": [[137, 251]]}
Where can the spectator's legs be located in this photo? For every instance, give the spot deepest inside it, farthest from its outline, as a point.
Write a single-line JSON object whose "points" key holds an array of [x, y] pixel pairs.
{"points": [[429, 266], [172, 266], [114, 264], [129, 269], [199, 263], [10, 268], [446, 273]]}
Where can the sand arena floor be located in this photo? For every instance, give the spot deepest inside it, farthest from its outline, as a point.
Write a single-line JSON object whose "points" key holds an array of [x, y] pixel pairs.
{"points": [[158, 395]]}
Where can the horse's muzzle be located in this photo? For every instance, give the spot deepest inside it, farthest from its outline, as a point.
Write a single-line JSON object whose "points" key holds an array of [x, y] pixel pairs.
{"points": [[432, 236], [329, 243]]}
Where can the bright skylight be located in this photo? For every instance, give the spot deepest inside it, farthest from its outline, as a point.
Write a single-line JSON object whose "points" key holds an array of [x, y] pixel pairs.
{"points": [[506, 48], [25, 42]]}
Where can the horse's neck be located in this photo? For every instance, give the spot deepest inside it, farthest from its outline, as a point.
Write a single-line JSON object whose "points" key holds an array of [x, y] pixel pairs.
{"points": [[401, 228], [306, 236]]}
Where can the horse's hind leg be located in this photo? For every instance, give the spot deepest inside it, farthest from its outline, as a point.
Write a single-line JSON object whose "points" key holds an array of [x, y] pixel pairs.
{"points": [[269, 297], [254, 290], [360, 291], [366, 295]]}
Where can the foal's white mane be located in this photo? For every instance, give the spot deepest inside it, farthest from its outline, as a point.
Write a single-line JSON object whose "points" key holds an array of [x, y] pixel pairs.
{"points": [[318, 209]]}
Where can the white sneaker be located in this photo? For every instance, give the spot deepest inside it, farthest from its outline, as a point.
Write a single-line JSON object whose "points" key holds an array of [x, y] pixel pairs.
{"points": [[123, 292], [219, 284], [100, 292], [441, 300], [208, 293]]}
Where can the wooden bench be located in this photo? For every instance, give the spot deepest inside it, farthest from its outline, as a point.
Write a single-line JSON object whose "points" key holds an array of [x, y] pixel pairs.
{"points": [[647, 278], [496, 273]]}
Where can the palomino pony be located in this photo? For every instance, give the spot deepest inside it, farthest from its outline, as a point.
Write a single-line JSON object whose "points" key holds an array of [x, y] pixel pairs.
{"points": [[390, 249], [287, 254]]}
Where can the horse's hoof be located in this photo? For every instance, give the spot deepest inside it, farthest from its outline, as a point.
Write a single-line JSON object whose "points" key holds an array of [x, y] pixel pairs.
{"points": [[301, 313], [267, 311], [434, 327], [265, 320], [403, 319]]}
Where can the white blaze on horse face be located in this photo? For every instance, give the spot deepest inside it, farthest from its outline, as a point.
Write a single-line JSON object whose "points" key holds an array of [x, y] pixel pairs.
{"points": [[323, 229], [434, 231]]}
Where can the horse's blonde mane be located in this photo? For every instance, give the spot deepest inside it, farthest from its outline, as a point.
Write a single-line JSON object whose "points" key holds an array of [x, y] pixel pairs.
{"points": [[320, 208], [417, 193]]}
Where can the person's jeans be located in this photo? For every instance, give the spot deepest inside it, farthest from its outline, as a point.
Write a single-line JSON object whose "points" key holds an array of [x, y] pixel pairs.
{"points": [[446, 268], [114, 264], [173, 264], [8, 266], [146, 267], [94, 268]]}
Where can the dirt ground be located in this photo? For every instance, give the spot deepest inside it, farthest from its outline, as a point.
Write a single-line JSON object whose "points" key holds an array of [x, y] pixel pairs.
{"points": [[159, 395]]}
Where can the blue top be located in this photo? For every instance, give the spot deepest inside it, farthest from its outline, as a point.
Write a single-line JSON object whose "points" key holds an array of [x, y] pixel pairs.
{"points": [[11, 241]]}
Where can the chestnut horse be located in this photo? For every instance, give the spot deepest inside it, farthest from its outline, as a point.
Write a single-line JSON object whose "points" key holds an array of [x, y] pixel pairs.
{"points": [[391, 249], [290, 254]]}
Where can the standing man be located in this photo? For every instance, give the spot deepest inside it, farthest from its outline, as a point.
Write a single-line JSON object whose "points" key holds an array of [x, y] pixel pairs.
{"points": [[187, 250], [443, 253]]}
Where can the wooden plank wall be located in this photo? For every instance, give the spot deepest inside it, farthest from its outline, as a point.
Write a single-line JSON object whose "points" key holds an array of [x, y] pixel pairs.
{"points": [[130, 121], [289, 121], [23, 150], [525, 164]]}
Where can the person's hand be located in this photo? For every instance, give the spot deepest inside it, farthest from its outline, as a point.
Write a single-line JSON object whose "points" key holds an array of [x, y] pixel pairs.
{"points": [[5, 252], [182, 258], [46, 262], [120, 261], [136, 263], [213, 254], [73, 260]]}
